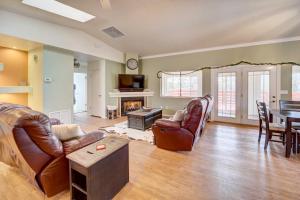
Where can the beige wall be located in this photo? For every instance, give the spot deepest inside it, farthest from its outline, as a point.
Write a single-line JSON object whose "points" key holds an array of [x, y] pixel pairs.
{"points": [[35, 79], [288, 51], [14, 73]]}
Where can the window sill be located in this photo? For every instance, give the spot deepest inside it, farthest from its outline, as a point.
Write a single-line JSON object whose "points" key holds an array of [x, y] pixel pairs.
{"points": [[181, 97]]}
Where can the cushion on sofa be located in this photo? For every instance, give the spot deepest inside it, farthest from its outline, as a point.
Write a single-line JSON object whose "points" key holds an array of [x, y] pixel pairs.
{"points": [[67, 131], [178, 117]]}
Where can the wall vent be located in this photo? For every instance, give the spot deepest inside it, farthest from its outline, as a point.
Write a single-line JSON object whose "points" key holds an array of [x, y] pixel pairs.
{"points": [[113, 32]]}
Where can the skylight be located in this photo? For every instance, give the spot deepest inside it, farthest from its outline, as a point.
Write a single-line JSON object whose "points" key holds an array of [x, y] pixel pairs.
{"points": [[60, 9]]}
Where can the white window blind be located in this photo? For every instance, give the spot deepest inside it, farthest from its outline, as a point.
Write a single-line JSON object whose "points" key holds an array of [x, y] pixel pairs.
{"points": [[181, 84]]}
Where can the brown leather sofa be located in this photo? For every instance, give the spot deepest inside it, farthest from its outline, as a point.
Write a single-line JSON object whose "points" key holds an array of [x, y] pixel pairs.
{"points": [[42, 150], [180, 136]]}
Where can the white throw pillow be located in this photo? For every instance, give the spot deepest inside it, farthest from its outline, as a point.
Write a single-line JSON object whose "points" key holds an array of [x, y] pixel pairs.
{"points": [[67, 131], [178, 117]]}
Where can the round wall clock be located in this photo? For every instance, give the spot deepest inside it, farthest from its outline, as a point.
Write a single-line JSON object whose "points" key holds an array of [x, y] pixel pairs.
{"points": [[132, 63]]}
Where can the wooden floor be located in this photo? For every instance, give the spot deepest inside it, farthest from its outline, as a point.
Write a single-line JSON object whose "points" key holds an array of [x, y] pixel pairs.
{"points": [[227, 163]]}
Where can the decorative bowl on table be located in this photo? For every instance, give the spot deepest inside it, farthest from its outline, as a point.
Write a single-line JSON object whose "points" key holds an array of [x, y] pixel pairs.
{"points": [[146, 109]]}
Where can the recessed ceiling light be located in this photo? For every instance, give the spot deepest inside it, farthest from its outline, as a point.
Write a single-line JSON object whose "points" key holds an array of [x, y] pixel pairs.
{"points": [[60, 9]]}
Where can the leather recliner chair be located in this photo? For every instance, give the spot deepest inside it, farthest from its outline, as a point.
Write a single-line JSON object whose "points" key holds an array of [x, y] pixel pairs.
{"points": [[210, 103], [42, 150], [180, 136]]}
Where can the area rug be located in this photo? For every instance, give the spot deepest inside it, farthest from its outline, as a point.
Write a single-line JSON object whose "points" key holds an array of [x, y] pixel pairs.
{"points": [[122, 130]]}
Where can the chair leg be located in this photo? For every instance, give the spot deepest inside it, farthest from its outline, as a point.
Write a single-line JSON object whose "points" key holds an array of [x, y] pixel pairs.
{"points": [[298, 147], [267, 138], [295, 143], [260, 133]]}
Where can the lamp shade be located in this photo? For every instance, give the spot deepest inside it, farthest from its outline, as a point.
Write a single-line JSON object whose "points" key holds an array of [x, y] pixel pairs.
{"points": [[1, 67]]}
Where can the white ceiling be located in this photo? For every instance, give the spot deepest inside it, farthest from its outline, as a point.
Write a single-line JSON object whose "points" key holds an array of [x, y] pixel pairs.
{"points": [[26, 45], [164, 26]]}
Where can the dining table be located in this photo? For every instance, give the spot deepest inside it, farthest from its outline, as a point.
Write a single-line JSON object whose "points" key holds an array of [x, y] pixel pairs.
{"points": [[288, 117]]}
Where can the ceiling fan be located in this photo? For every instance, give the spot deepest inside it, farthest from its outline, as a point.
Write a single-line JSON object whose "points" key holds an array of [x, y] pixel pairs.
{"points": [[105, 4]]}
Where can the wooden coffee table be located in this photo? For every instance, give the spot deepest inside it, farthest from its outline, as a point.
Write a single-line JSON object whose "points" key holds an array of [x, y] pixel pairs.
{"points": [[143, 120], [97, 175]]}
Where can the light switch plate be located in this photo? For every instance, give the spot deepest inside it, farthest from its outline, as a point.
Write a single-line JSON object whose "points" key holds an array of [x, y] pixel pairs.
{"points": [[47, 79]]}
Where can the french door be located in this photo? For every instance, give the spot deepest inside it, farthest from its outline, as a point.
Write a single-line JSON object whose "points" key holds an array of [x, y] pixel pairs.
{"points": [[236, 90]]}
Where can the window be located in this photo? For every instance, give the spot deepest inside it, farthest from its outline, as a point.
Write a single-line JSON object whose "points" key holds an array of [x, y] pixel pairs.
{"points": [[296, 83], [181, 84]]}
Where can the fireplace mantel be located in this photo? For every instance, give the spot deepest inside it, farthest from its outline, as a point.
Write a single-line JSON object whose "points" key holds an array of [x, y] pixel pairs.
{"points": [[118, 94]]}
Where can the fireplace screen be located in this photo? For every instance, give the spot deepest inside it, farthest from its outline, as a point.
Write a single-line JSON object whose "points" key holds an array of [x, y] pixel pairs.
{"points": [[131, 104]]}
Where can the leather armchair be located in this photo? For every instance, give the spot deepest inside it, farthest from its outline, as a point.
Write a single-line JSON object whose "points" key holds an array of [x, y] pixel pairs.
{"points": [[43, 151], [210, 103], [181, 136]]}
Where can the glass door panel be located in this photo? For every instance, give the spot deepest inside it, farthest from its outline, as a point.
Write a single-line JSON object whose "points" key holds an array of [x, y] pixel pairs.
{"points": [[258, 89], [259, 84], [227, 94]]}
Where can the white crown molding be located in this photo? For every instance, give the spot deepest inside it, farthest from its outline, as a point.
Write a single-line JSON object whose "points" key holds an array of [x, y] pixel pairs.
{"points": [[281, 40]]}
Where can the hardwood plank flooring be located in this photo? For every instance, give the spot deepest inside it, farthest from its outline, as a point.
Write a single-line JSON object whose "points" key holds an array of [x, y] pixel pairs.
{"points": [[226, 163]]}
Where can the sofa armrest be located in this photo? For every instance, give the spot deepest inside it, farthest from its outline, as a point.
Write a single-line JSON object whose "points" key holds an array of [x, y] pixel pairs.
{"points": [[54, 178], [165, 123], [75, 144]]}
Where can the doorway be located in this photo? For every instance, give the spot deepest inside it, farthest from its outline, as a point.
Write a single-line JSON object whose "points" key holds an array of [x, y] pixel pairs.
{"points": [[97, 88], [236, 90], [80, 92]]}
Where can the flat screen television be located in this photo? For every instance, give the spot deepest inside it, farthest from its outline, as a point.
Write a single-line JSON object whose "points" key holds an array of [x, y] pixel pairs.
{"points": [[131, 83]]}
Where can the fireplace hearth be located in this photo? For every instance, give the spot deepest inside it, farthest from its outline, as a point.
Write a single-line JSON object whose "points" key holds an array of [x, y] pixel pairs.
{"points": [[129, 104]]}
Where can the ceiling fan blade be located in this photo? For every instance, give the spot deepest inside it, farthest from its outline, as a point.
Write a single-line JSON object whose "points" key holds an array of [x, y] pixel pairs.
{"points": [[105, 4]]}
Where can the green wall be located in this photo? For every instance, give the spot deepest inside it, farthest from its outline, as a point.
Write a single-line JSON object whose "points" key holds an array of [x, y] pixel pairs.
{"points": [[288, 51], [112, 71], [286, 81], [58, 65]]}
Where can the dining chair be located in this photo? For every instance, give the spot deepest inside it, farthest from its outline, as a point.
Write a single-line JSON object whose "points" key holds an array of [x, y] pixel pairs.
{"points": [[271, 129], [286, 105]]}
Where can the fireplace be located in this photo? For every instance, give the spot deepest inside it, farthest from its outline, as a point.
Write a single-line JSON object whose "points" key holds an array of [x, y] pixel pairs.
{"points": [[129, 104]]}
